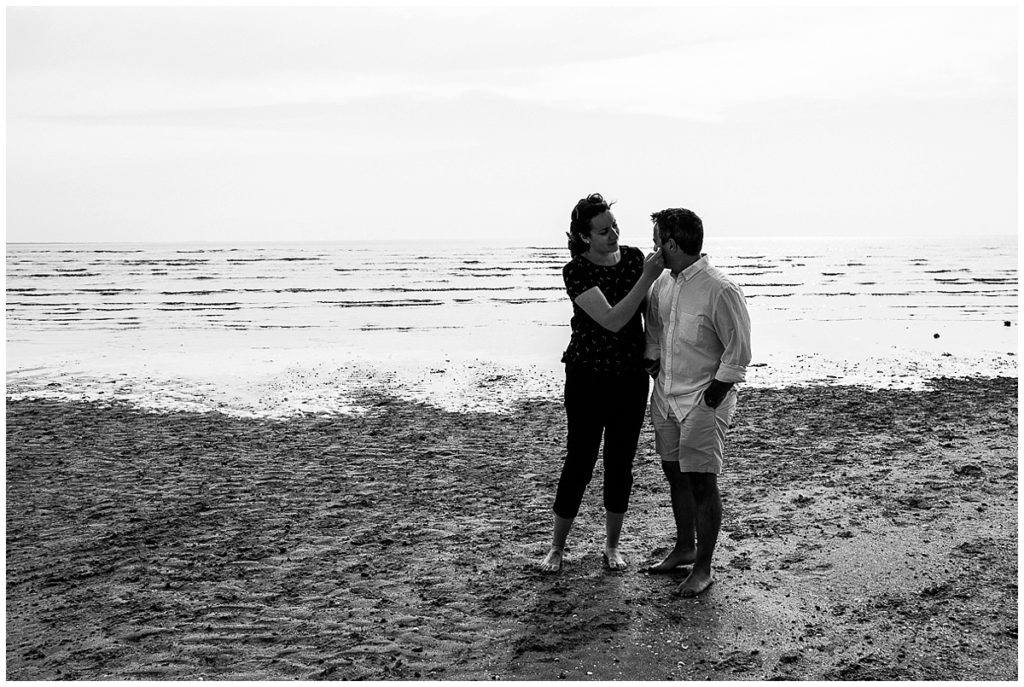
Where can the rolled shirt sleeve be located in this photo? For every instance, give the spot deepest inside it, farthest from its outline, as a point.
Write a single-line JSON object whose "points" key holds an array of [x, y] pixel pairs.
{"points": [[652, 324], [732, 324]]}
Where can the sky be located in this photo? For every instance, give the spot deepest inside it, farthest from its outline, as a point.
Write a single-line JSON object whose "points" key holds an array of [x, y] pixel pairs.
{"points": [[330, 123]]}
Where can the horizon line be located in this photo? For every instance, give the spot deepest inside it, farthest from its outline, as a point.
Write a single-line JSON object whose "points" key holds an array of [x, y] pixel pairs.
{"points": [[843, 237]]}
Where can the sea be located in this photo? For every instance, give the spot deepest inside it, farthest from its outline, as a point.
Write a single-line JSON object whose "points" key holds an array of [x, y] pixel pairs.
{"points": [[284, 328]]}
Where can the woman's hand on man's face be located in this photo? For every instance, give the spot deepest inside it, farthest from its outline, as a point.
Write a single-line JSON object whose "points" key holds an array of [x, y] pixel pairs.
{"points": [[654, 265]]}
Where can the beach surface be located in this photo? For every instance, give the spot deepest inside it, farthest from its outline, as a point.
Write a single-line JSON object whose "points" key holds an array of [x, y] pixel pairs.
{"points": [[867, 534]]}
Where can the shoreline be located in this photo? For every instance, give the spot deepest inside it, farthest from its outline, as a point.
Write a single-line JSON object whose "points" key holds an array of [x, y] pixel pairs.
{"points": [[867, 534], [280, 377]]}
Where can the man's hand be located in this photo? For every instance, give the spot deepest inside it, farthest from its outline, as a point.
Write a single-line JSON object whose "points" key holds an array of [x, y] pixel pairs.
{"points": [[715, 393], [652, 367]]}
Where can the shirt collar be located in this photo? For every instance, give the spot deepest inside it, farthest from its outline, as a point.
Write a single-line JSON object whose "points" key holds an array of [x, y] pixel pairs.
{"points": [[695, 269]]}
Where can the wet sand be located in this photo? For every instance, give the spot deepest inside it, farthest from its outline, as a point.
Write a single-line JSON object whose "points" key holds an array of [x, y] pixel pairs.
{"points": [[866, 535]]}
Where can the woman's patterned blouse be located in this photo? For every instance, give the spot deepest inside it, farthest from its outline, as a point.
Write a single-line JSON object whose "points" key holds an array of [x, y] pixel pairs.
{"points": [[592, 346]]}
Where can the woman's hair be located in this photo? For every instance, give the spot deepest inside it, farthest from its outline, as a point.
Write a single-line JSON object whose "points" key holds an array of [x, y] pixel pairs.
{"points": [[579, 222]]}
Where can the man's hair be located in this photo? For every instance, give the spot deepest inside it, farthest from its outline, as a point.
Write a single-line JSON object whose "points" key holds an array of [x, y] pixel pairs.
{"points": [[681, 225], [585, 210]]}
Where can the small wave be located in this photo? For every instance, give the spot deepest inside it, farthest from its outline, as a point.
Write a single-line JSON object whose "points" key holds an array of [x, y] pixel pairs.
{"points": [[379, 328], [485, 269], [47, 294], [198, 307], [415, 302], [167, 262], [202, 304], [302, 289], [107, 292], [202, 293], [944, 306], [282, 259], [834, 293], [440, 289], [38, 304]]}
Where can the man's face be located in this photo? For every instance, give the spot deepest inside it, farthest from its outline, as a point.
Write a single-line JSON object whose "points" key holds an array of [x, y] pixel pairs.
{"points": [[669, 249]]}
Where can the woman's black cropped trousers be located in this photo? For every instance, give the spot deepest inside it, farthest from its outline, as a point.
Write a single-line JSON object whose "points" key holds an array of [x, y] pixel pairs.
{"points": [[601, 405]]}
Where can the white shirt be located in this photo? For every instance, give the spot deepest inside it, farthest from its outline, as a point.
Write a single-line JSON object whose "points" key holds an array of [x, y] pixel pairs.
{"points": [[698, 326]]}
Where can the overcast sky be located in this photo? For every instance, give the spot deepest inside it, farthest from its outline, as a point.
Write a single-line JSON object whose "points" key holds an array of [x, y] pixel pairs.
{"points": [[336, 123]]}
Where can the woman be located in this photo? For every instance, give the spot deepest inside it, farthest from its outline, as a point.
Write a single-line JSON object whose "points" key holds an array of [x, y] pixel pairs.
{"points": [[606, 384]]}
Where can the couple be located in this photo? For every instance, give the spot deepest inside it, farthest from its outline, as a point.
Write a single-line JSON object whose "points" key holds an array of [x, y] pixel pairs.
{"points": [[696, 346]]}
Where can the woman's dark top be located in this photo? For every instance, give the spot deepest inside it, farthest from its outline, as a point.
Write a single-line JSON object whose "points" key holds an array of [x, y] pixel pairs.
{"points": [[592, 347]]}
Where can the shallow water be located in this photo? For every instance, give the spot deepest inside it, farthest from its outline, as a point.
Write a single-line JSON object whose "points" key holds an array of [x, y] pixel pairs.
{"points": [[284, 328]]}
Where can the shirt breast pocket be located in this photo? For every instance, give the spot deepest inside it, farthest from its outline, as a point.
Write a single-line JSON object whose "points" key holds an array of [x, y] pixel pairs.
{"points": [[689, 328]]}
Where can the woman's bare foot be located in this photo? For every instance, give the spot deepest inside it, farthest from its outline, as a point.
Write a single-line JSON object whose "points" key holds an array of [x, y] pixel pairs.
{"points": [[697, 582], [673, 560], [553, 561], [613, 559]]}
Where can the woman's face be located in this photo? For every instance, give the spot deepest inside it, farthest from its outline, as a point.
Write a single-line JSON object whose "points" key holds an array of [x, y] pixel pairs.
{"points": [[604, 233]]}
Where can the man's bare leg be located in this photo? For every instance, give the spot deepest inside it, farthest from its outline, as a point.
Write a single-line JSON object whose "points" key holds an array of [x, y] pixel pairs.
{"points": [[613, 528], [553, 561], [708, 511], [684, 551]]}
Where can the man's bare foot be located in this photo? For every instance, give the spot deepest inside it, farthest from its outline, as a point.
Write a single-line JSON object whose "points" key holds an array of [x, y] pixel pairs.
{"points": [[613, 559], [673, 560], [697, 582], [553, 561]]}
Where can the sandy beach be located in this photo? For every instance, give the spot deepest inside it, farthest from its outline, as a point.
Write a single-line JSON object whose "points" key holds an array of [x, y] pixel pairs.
{"points": [[867, 534]]}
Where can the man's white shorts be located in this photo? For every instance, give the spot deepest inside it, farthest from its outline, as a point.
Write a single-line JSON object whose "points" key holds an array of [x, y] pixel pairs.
{"points": [[698, 442]]}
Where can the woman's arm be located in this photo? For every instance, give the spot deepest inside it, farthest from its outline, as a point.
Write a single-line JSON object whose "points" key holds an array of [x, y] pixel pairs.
{"points": [[614, 318]]}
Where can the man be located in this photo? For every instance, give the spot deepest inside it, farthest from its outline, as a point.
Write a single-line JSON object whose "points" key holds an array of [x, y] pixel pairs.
{"points": [[698, 346]]}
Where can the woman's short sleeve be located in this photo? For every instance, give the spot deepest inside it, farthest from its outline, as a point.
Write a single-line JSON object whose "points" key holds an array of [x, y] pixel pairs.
{"points": [[578, 279]]}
